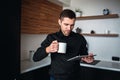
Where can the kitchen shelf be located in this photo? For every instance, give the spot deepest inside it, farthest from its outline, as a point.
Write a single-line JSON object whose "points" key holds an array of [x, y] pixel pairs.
{"points": [[101, 35], [98, 17]]}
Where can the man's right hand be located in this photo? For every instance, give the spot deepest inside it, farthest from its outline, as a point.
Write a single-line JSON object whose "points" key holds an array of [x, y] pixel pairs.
{"points": [[53, 47]]}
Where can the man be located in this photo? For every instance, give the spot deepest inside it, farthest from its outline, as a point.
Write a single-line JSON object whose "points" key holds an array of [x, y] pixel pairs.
{"points": [[60, 68]]}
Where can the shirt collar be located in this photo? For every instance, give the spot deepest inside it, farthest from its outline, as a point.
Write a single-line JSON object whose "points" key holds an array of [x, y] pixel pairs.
{"points": [[62, 35]]}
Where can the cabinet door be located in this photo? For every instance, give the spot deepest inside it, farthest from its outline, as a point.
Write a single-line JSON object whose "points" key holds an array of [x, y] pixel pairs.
{"points": [[38, 74], [98, 74], [88, 73]]}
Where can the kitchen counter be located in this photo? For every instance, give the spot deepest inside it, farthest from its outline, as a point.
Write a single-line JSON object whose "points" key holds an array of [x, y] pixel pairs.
{"points": [[27, 65], [106, 65]]}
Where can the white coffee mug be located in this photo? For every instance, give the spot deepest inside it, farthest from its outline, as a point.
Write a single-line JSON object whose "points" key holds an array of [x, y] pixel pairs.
{"points": [[62, 47]]}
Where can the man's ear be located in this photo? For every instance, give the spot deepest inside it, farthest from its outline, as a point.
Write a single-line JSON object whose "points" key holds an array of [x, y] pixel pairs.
{"points": [[59, 22]]}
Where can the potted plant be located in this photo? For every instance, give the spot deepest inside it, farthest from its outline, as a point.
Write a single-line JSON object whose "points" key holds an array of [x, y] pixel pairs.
{"points": [[78, 12]]}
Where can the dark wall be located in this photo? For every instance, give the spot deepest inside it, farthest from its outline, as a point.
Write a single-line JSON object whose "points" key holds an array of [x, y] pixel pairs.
{"points": [[10, 38]]}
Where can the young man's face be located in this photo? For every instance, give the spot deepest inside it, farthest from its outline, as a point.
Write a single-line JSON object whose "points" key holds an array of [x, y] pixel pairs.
{"points": [[66, 25]]}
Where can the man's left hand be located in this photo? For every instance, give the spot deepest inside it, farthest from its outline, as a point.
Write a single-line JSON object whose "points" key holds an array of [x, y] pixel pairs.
{"points": [[88, 59]]}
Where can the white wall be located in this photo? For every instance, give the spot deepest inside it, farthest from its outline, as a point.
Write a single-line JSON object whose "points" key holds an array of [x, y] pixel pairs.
{"points": [[104, 47], [30, 42]]}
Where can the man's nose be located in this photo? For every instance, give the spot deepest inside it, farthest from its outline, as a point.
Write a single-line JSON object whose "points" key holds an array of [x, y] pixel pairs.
{"points": [[68, 27]]}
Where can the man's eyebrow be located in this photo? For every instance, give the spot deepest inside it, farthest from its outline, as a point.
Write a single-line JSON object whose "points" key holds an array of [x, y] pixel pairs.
{"points": [[69, 24]]}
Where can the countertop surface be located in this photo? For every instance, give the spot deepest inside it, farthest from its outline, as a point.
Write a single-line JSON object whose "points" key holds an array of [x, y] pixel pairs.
{"points": [[27, 65], [107, 65]]}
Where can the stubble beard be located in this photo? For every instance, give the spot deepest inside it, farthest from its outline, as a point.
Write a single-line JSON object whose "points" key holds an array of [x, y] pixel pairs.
{"points": [[66, 33]]}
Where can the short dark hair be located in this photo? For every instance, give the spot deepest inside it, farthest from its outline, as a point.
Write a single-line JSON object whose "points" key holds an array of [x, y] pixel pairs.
{"points": [[67, 13]]}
